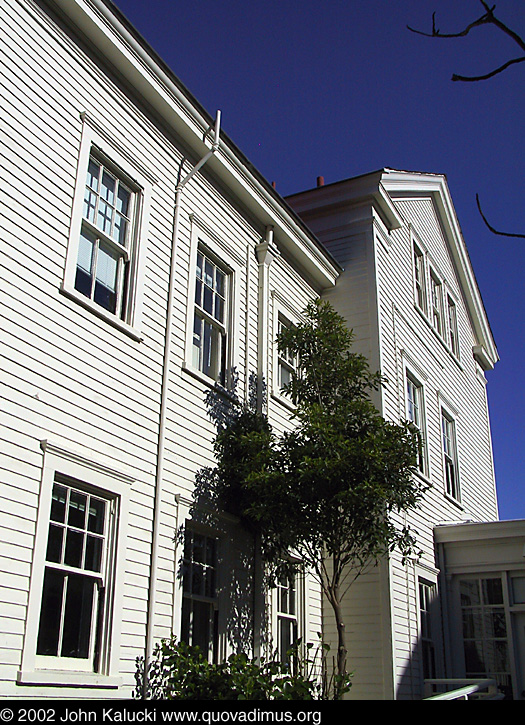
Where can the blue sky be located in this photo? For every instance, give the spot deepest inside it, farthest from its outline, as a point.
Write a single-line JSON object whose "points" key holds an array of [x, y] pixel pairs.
{"points": [[338, 89]]}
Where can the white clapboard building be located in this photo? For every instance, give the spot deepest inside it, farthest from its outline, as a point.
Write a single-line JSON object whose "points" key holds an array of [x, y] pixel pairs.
{"points": [[143, 260]]}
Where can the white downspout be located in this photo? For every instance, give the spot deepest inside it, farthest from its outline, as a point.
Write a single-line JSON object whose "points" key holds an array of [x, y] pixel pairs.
{"points": [[166, 371]]}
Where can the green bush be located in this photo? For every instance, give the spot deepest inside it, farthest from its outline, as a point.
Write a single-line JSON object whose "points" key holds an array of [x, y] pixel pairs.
{"points": [[178, 672]]}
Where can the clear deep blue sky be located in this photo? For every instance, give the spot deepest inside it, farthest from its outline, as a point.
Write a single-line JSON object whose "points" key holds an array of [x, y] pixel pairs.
{"points": [[337, 89]]}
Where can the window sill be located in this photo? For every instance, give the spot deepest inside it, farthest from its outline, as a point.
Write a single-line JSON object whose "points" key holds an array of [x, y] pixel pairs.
{"points": [[284, 401], [100, 312], [454, 501], [66, 678], [206, 380]]}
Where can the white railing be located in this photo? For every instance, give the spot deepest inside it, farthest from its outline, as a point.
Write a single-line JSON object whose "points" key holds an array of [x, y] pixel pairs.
{"points": [[463, 690]]}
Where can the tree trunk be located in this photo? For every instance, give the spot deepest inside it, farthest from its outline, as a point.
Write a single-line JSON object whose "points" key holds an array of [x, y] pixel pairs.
{"points": [[342, 652]]}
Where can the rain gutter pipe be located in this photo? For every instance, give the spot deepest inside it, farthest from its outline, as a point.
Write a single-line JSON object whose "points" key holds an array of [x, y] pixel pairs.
{"points": [[166, 371]]}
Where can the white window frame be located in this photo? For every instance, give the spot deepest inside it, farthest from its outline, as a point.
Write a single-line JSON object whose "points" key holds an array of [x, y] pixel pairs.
{"points": [[281, 617], [417, 386], [202, 240], [427, 623], [95, 144], [209, 599], [436, 303], [452, 325], [282, 314], [419, 277], [449, 453], [93, 476]]}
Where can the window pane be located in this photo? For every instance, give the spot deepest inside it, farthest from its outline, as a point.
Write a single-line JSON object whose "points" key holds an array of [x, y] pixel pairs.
{"points": [[77, 616], [83, 280], [201, 630], [492, 591], [106, 281], [123, 198], [54, 544], [104, 217], [93, 175], [50, 613], [58, 504], [107, 190], [120, 229], [90, 203], [93, 560], [469, 591], [74, 548], [97, 510], [77, 510], [197, 342]]}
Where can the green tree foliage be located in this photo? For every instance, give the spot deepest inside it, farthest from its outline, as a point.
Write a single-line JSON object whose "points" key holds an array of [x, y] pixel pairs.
{"points": [[179, 672], [328, 489]]}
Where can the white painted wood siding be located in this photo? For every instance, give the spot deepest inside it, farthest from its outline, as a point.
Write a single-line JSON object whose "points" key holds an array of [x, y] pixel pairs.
{"points": [[68, 374]]}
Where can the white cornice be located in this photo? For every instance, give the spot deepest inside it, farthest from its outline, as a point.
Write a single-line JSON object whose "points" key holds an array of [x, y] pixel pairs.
{"points": [[146, 73], [402, 184]]}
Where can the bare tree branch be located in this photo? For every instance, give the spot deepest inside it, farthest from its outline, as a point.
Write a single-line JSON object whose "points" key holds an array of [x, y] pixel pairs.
{"points": [[495, 231], [456, 77], [488, 18]]}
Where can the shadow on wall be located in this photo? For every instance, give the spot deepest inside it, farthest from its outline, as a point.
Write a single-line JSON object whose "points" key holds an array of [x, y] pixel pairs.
{"points": [[427, 660], [234, 588]]}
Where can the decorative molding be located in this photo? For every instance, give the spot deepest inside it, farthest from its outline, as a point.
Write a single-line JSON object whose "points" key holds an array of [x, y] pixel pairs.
{"points": [[84, 459]]}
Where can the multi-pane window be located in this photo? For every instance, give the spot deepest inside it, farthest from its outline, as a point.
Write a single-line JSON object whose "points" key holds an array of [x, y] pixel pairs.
{"points": [[419, 279], [285, 360], [72, 607], [199, 603], [414, 399], [287, 620], [485, 635], [210, 318], [452, 326], [426, 599], [106, 239], [436, 303], [448, 431]]}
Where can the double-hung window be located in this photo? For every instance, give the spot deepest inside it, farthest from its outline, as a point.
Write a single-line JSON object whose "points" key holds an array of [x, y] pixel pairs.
{"points": [[415, 416], [287, 615], [286, 362], [210, 330], [436, 303], [485, 632], [109, 228], [200, 613], [452, 326], [72, 637], [427, 593], [105, 247], [419, 279], [78, 550], [450, 460]]}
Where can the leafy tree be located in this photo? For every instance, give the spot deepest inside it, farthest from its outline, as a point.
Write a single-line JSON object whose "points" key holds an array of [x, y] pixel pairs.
{"points": [[179, 672], [327, 489]]}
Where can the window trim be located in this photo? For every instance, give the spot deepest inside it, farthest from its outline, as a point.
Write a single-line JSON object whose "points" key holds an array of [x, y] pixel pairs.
{"points": [[96, 143], [213, 602], [419, 386], [419, 268], [452, 325], [281, 312], [301, 583], [202, 240], [113, 484], [454, 459], [436, 305], [430, 588]]}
